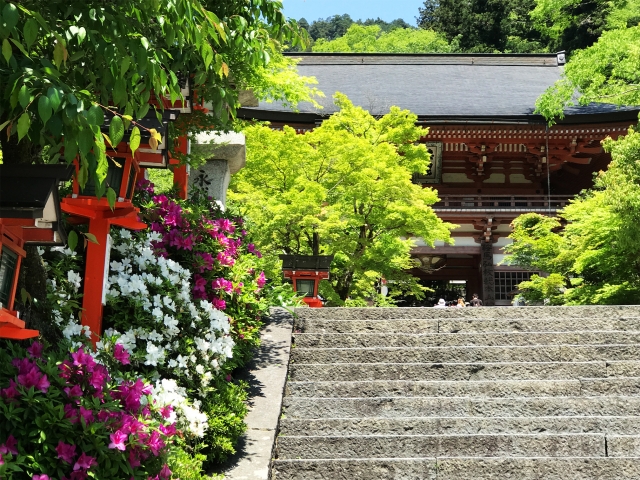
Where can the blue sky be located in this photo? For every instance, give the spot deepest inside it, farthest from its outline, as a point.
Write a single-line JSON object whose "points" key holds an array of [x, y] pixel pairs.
{"points": [[357, 9]]}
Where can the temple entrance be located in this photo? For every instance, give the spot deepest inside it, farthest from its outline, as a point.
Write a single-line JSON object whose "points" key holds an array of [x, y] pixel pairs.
{"points": [[449, 290]]}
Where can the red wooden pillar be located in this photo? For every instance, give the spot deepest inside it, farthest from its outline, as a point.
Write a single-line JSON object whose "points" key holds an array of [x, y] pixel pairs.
{"points": [[94, 276], [180, 172]]}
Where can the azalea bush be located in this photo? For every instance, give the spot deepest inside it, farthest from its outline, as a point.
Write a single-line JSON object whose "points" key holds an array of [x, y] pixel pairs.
{"points": [[69, 415]]}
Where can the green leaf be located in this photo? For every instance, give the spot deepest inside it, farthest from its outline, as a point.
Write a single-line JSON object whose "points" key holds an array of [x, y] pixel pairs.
{"points": [[95, 116], [145, 43], [25, 296], [30, 32], [124, 66], [91, 237], [44, 108], [10, 16], [72, 240], [111, 197], [134, 140], [54, 98], [207, 55], [116, 130], [7, 51], [85, 141], [58, 54], [24, 97], [20, 47], [24, 122]]}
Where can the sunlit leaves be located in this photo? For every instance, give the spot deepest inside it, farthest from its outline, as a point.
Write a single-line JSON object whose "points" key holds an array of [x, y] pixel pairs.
{"points": [[116, 130], [24, 122], [134, 140], [44, 108]]}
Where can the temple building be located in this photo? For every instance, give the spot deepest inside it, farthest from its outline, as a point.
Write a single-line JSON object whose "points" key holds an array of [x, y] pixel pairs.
{"points": [[493, 158]]}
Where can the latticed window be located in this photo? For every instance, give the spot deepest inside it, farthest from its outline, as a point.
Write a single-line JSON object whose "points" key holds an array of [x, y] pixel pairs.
{"points": [[507, 283], [8, 263]]}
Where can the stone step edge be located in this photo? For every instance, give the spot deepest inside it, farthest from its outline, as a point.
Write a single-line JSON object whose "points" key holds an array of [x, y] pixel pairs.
{"points": [[462, 435], [592, 362], [483, 397], [417, 459], [443, 382], [451, 347], [466, 319], [400, 419]]}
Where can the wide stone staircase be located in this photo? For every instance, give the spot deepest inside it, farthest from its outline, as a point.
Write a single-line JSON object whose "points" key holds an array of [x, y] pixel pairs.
{"points": [[473, 393]]}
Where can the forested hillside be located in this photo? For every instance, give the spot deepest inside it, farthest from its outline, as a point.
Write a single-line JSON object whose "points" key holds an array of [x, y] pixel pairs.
{"points": [[478, 26]]}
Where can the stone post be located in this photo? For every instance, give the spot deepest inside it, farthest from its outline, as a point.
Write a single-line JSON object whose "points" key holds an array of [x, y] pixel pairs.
{"points": [[226, 154], [488, 276]]}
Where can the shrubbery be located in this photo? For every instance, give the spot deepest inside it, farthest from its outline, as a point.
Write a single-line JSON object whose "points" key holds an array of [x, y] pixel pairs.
{"points": [[184, 307]]}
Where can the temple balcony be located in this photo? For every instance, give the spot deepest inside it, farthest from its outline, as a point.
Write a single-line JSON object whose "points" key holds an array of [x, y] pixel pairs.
{"points": [[485, 204]]}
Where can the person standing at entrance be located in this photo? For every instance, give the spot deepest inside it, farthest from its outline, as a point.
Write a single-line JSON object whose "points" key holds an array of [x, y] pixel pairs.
{"points": [[476, 302]]}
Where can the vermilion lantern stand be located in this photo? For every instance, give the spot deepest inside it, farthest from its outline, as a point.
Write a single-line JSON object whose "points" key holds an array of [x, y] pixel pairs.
{"points": [[83, 207], [305, 273], [29, 215]]}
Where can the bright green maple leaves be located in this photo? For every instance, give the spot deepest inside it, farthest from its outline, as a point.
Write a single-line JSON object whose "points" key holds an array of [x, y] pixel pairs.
{"points": [[65, 63], [346, 184]]}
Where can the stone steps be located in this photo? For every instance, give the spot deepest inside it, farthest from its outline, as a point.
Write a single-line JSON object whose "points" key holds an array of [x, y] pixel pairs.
{"points": [[519, 393], [392, 407], [371, 340], [476, 468], [529, 353], [616, 425], [464, 371], [498, 388], [620, 324]]}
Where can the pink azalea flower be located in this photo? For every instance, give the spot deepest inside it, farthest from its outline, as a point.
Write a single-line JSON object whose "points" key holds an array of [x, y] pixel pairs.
{"points": [[35, 350], [66, 452], [218, 303], [117, 440], [87, 415], [222, 284], [134, 458], [166, 411], [11, 392], [165, 473], [261, 280], [169, 431], [9, 446], [120, 354], [73, 392], [71, 413], [84, 462], [40, 477]]}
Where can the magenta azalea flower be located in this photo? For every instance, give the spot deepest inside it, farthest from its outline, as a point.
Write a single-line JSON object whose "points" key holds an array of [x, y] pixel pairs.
{"points": [[218, 303], [35, 350], [40, 477], [11, 392], [84, 462], [66, 452], [9, 446], [120, 354], [117, 440], [165, 473], [261, 280]]}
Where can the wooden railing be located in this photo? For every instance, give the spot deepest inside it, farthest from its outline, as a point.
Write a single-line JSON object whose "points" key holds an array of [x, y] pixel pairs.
{"points": [[502, 202]]}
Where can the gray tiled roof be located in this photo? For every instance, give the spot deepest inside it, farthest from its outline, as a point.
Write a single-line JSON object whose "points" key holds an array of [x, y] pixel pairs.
{"points": [[462, 85]]}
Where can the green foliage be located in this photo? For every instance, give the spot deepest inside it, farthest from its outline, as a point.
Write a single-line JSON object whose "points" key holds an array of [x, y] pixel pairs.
{"points": [[373, 39], [186, 465], [597, 254], [334, 27], [55, 399], [605, 72], [67, 62], [484, 26], [571, 24], [544, 289], [343, 189]]}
